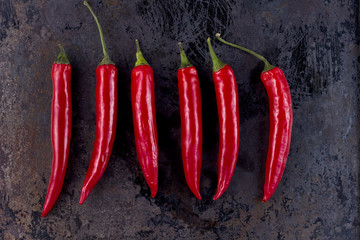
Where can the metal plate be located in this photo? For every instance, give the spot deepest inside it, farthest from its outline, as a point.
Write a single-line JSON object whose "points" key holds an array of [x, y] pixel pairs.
{"points": [[316, 43]]}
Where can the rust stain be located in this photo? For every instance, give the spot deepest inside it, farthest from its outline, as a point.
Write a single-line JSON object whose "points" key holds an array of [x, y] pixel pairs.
{"points": [[268, 17]]}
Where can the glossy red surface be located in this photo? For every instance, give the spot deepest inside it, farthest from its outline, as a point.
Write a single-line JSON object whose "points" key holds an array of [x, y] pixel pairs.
{"points": [[228, 110], [144, 118], [191, 126], [281, 119], [61, 113], [106, 114]]}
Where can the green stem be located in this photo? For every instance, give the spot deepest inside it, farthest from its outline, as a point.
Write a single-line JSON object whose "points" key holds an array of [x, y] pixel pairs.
{"points": [[62, 58], [106, 60], [267, 67], [140, 60], [184, 60], [217, 64]]}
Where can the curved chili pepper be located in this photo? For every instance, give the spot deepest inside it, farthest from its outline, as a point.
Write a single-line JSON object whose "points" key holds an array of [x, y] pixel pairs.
{"points": [[281, 119], [61, 111], [106, 113], [191, 122], [143, 107], [228, 110]]}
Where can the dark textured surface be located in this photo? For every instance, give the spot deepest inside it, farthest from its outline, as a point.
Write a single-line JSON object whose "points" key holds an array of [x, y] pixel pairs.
{"points": [[316, 43]]}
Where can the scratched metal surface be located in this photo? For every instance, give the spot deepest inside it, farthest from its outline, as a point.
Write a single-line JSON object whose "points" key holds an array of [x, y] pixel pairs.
{"points": [[316, 43]]}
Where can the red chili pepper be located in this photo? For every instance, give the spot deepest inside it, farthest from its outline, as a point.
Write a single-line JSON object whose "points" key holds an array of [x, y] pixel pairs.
{"points": [[228, 110], [143, 107], [106, 113], [191, 122], [281, 119], [61, 111]]}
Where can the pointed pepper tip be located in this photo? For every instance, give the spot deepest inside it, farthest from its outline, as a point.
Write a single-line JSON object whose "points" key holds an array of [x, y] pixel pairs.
{"points": [[217, 195], [198, 196], [265, 198], [44, 213], [153, 192], [84, 195], [82, 199]]}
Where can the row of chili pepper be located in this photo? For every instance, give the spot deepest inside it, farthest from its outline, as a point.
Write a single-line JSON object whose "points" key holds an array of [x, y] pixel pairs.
{"points": [[144, 118]]}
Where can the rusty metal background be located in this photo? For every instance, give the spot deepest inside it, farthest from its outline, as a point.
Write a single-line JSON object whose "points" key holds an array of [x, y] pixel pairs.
{"points": [[316, 43]]}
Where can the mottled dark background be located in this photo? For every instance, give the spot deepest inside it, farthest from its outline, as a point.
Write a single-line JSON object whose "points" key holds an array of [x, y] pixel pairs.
{"points": [[316, 43]]}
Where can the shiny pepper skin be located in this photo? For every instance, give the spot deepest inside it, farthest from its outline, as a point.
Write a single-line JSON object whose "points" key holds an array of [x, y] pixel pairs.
{"points": [[144, 118], [106, 114], [61, 121], [281, 119], [228, 111], [227, 100], [191, 126]]}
